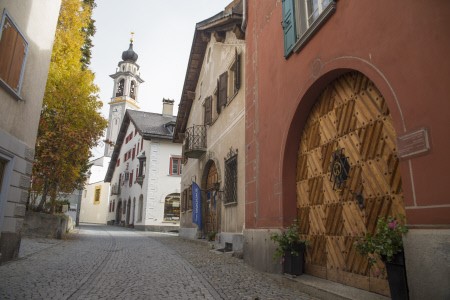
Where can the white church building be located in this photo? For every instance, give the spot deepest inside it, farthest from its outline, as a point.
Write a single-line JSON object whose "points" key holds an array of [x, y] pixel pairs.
{"points": [[136, 183]]}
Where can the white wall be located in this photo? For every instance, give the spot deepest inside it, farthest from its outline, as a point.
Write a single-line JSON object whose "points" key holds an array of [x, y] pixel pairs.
{"points": [[158, 182], [95, 212]]}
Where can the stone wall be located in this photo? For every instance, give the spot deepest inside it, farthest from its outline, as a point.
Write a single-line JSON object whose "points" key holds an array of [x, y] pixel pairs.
{"points": [[45, 225]]}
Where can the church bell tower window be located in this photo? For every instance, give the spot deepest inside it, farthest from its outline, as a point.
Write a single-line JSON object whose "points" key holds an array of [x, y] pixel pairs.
{"points": [[133, 89], [120, 88]]}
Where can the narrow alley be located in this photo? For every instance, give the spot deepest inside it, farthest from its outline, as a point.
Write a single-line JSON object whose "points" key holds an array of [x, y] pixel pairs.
{"points": [[108, 262]]}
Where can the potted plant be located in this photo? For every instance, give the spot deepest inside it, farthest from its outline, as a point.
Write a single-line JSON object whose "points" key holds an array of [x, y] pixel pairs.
{"points": [[291, 248], [387, 244]]}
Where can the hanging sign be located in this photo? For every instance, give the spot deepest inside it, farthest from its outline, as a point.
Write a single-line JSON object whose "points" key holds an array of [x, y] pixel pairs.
{"points": [[196, 205]]}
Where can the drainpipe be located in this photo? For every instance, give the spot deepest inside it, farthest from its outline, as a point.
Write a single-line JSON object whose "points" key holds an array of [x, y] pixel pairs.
{"points": [[244, 17]]}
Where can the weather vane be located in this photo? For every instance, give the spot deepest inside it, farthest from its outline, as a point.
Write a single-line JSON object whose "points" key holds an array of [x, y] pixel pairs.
{"points": [[132, 37]]}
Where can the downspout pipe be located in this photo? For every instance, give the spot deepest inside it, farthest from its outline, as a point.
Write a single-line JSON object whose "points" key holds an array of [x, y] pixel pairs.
{"points": [[244, 17]]}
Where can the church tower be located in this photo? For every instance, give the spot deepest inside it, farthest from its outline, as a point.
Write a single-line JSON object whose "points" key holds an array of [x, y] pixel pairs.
{"points": [[125, 93]]}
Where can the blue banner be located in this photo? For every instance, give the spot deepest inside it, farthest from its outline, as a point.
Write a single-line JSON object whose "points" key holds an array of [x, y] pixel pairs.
{"points": [[196, 205]]}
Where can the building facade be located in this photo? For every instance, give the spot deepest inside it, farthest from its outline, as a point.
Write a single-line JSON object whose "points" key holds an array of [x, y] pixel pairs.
{"points": [[94, 209], [145, 172], [95, 195], [355, 86], [211, 126], [26, 42]]}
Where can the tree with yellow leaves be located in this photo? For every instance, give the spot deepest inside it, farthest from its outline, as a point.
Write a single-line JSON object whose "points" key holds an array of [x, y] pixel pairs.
{"points": [[70, 123]]}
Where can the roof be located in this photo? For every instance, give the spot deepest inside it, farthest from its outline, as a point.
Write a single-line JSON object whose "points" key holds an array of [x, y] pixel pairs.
{"points": [[229, 19], [149, 125]]}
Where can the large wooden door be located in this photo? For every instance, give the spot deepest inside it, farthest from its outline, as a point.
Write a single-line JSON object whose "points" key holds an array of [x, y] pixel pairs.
{"points": [[211, 202], [351, 118]]}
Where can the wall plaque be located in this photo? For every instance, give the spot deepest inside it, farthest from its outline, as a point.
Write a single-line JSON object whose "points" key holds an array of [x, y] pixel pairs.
{"points": [[413, 143]]}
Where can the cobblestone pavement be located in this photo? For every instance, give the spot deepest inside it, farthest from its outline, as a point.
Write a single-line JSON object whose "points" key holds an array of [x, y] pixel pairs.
{"points": [[106, 262]]}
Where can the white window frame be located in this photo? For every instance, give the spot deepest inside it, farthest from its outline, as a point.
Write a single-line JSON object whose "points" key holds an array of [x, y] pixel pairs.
{"points": [[324, 9], [304, 21]]}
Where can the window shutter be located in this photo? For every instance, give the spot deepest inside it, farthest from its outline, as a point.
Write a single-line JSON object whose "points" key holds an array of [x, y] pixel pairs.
{"points": [[222, 95], [17, 64], [288, 24], [208, 110], [12, 51], [7, 42], [237, 72]]}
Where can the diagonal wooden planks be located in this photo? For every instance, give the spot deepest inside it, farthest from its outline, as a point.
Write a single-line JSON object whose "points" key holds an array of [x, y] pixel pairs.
{"points": [[350, 114]]}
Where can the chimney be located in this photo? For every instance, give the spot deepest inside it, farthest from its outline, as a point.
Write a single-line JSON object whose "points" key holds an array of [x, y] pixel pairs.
{"points": [[167, 107]]}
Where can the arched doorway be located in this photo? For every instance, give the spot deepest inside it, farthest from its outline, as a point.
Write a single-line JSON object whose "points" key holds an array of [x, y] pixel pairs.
{"points": [[140, 208], [210, 200], [347, 176], [128, 211], [119, 212], [133, 215]]}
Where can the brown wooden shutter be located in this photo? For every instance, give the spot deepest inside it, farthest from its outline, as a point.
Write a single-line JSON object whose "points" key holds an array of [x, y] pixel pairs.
{"points": [[7, 45], [12, 54], [222, 91], [237, 72], [208, 110]]}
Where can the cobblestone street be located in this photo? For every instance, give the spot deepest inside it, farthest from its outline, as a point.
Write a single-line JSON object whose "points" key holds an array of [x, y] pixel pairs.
{"points": [[106, 262]]}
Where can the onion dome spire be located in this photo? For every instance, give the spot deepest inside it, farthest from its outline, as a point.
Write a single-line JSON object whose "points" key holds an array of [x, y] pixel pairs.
{"points": [[130, 55]]}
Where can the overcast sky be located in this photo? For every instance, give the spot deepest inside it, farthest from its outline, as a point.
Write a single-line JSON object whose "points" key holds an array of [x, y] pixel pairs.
{"points": [[163, 33]]}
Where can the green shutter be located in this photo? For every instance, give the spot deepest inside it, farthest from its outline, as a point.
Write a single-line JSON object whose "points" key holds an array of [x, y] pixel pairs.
{"points": [[288, 24]]}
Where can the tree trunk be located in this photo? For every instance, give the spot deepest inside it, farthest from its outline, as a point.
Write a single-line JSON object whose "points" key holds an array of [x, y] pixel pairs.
{"points": [[44, 196]]}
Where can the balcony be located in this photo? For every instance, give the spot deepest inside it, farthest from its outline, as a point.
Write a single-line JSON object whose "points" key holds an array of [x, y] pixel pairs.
{"points": [[195, 141]]}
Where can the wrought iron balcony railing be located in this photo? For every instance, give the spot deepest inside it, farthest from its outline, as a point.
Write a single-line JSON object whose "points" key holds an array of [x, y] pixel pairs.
{"points": [[195, 141]]}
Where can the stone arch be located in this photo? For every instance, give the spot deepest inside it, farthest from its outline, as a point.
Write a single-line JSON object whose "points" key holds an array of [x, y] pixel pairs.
{"points": [[328, 72], [349, 114], [211, 205], [119, 211], [140, 217]]}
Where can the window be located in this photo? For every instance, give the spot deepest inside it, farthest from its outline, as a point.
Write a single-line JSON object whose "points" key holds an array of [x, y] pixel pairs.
{"points": [[120, 88], [113, 205], [133, 89], [142, 165], [208, 111], [97, 195], [172, 207], [13, 53], [230, 188], [131, 178], [186, 199], [175, 166], [301, 19], [234, 77], [134, 151], [222, 88]]}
